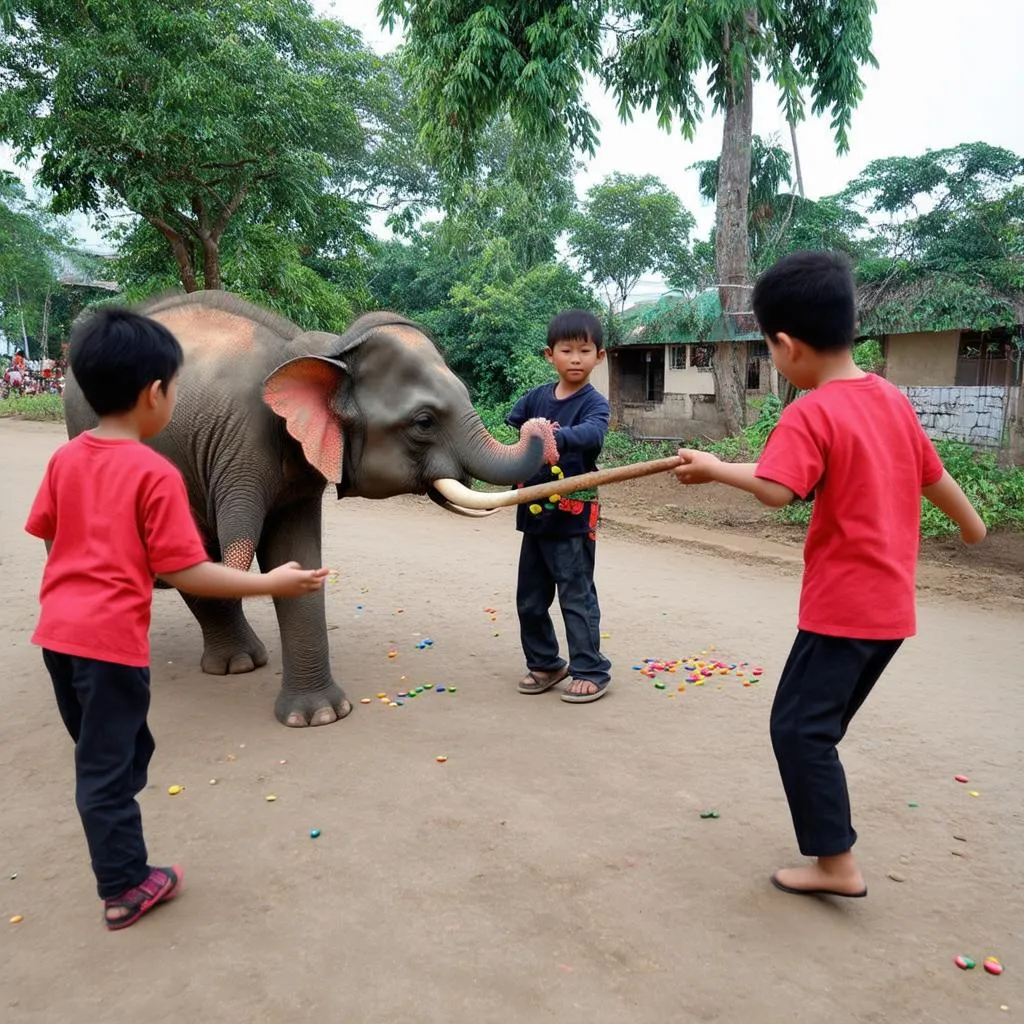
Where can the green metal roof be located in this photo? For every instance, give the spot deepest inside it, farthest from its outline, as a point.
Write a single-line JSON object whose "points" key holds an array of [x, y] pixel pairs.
{"points": [[674, 319]]}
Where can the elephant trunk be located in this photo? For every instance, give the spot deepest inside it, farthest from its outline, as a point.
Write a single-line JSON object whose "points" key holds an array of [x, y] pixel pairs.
{"points": [[487, 459]]}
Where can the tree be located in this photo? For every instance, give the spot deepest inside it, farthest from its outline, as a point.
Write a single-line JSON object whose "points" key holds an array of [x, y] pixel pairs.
{"points": [[950, 245], [770, 169], [473, 59], [31, 248], [627, 227], [187, 114]]}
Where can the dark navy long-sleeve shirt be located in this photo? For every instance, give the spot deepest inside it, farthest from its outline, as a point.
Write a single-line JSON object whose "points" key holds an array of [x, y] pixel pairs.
{"points": [[583, 422]]}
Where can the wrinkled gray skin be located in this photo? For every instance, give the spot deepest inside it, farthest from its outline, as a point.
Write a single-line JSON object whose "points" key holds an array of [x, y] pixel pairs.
{"points": [[381, 388]]}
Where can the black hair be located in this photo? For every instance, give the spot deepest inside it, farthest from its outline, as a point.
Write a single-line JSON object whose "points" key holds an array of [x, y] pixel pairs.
{"points": [[809, 296], [115, 354], [573, 324]]}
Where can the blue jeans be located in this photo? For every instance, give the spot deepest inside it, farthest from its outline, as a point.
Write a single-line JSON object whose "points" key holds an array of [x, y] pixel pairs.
{"points": [[565, 565]]}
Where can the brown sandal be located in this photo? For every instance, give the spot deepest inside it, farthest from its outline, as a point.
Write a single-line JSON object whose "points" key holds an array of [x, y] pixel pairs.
{"points": [[541, 682]]}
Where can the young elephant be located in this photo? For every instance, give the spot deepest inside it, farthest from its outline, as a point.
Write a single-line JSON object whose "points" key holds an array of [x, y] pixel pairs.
{"points": [[266, 416]]}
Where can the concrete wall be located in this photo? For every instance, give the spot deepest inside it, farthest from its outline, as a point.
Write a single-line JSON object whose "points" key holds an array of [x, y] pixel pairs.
{"points": [[678, 416], [976, 416], [691, 381], [922, 360]]}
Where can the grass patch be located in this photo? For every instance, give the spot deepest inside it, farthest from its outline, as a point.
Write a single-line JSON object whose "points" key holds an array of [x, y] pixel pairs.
{"points": [[33, 407]]}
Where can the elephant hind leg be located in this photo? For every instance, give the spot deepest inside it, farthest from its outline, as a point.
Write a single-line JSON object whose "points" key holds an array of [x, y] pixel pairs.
{"points": [[230, 646]]}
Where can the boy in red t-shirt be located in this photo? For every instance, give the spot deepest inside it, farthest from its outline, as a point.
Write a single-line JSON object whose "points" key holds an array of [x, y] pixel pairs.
{"points": [[855, 444], [114, 514]]}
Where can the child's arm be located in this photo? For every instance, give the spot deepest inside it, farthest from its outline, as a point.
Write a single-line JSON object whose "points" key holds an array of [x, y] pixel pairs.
{"points": [[703, 467], [211, 579], [589, 433], [947, 496]]}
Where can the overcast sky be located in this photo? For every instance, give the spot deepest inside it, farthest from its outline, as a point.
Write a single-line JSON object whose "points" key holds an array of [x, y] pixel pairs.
{"points": [[946, 76]]}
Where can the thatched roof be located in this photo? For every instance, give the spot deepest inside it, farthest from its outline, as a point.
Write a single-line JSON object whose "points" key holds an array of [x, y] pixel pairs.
{"points": [[674, 319], [935, 303]]}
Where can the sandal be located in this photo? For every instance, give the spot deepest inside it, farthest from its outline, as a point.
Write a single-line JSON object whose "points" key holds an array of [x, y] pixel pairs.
{"points": [[536, 681], [587, 698], [160, 885]]}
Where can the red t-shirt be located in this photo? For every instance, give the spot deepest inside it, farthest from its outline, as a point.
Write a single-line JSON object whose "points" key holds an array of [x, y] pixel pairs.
{"points": [[859, 446], [117, 514]]}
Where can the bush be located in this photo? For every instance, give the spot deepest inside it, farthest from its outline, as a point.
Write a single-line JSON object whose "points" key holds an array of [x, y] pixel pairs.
{"points": [[33, 407]]}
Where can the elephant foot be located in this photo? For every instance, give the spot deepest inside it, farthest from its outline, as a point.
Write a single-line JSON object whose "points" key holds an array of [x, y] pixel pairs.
{"points": [[299, 709], [234, 659]]}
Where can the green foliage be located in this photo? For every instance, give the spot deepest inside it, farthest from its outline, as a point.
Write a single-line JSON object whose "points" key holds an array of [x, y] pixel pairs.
{"points": [[500, 353], [627, 227], [950, 251], [33, 407], [188, 114], [868, 356], [472, 60], [31, 247]]}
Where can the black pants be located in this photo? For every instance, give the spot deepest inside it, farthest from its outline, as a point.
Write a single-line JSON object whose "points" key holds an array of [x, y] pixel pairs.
{"points": [[565, 564], [824, 683], [104, 707]]}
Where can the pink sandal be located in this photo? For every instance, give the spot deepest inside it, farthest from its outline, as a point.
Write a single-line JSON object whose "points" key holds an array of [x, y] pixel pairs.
{"points": [[160, 885]]}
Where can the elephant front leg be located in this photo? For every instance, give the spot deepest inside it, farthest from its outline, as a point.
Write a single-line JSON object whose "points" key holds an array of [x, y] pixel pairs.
{"points": [[230, 646], [309, 695]]}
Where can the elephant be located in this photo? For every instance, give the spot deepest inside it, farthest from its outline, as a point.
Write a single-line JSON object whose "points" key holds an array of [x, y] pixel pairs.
{"points": [[267, 415]]}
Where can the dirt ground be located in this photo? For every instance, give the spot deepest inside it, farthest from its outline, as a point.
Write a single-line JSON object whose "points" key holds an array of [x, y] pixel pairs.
{"points": [[556, 866]]}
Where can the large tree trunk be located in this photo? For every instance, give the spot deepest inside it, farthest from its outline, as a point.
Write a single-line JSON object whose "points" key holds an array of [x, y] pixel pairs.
{"points": [[181, 250], [732, 249], [211, 264]]}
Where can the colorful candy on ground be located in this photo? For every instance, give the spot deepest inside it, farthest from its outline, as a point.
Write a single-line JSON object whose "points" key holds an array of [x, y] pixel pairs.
{"points": [[992, 965], [440, 759], [698, 671], [710, 814], [961, 778], [314, 833], [17, 919], [175, 790], [965, 963]]}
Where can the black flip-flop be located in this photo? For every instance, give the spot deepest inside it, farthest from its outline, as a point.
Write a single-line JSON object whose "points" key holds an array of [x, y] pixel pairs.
{"points": [[817, 892]]}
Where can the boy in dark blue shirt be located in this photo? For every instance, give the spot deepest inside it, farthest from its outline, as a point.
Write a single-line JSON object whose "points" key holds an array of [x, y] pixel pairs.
{"points": [[559, 538]]}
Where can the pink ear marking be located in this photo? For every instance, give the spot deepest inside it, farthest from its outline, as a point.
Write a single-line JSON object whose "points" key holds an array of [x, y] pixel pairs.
{"points": [[300, 392], [542, 428]]}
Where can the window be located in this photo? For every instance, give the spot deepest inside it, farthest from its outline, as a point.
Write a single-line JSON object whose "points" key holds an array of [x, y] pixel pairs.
{"points": [[702, 356], [677, 357], [983, 361]]}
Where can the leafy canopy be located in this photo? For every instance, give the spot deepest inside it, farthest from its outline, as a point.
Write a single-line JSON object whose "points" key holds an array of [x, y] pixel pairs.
{"points": [[627, 227], [473, 59], [186, 113]]}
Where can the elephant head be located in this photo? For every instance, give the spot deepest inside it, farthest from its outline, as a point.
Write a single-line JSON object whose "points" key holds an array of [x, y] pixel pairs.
{"points": [[379, 413]]}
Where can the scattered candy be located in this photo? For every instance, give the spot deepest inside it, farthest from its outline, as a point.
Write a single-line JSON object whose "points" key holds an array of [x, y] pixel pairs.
{"points": [[709, 814], [271, 798], [992, 965], [439, 689], [174, 790], [913, 804], [452, 689], [17, 919], [896, 876], [606, 636], [440, 759], [213, 782], [973, 792], [965, 963], [961, 778], [314, 833]]}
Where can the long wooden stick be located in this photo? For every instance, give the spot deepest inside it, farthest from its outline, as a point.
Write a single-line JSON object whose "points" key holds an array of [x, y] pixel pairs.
{"points": [[583, 482]]}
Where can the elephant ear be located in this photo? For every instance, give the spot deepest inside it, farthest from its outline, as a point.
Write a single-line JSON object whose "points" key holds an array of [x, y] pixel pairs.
{"points": [[301, 393]]}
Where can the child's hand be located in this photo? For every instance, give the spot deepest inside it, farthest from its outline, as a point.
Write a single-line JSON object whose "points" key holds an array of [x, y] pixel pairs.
{"points": [[696, 467], [291, 580]]}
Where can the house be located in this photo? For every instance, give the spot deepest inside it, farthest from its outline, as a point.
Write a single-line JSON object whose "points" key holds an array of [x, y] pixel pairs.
{"points": [[660, 379], [960, 363]]}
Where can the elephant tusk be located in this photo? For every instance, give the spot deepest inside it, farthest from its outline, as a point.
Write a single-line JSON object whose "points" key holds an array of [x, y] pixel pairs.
{"points": [[458, 494], [471, 513]]}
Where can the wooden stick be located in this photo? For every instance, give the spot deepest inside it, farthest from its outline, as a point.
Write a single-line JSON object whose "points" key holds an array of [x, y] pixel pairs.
{"points": [[583, 482]]}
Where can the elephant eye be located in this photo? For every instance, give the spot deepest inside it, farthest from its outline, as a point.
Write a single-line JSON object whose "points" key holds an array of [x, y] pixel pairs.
{"points": [[424, 421]]}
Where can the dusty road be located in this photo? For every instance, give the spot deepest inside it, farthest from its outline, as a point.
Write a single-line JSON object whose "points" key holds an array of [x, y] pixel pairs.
{"points": [[556, 867]]}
